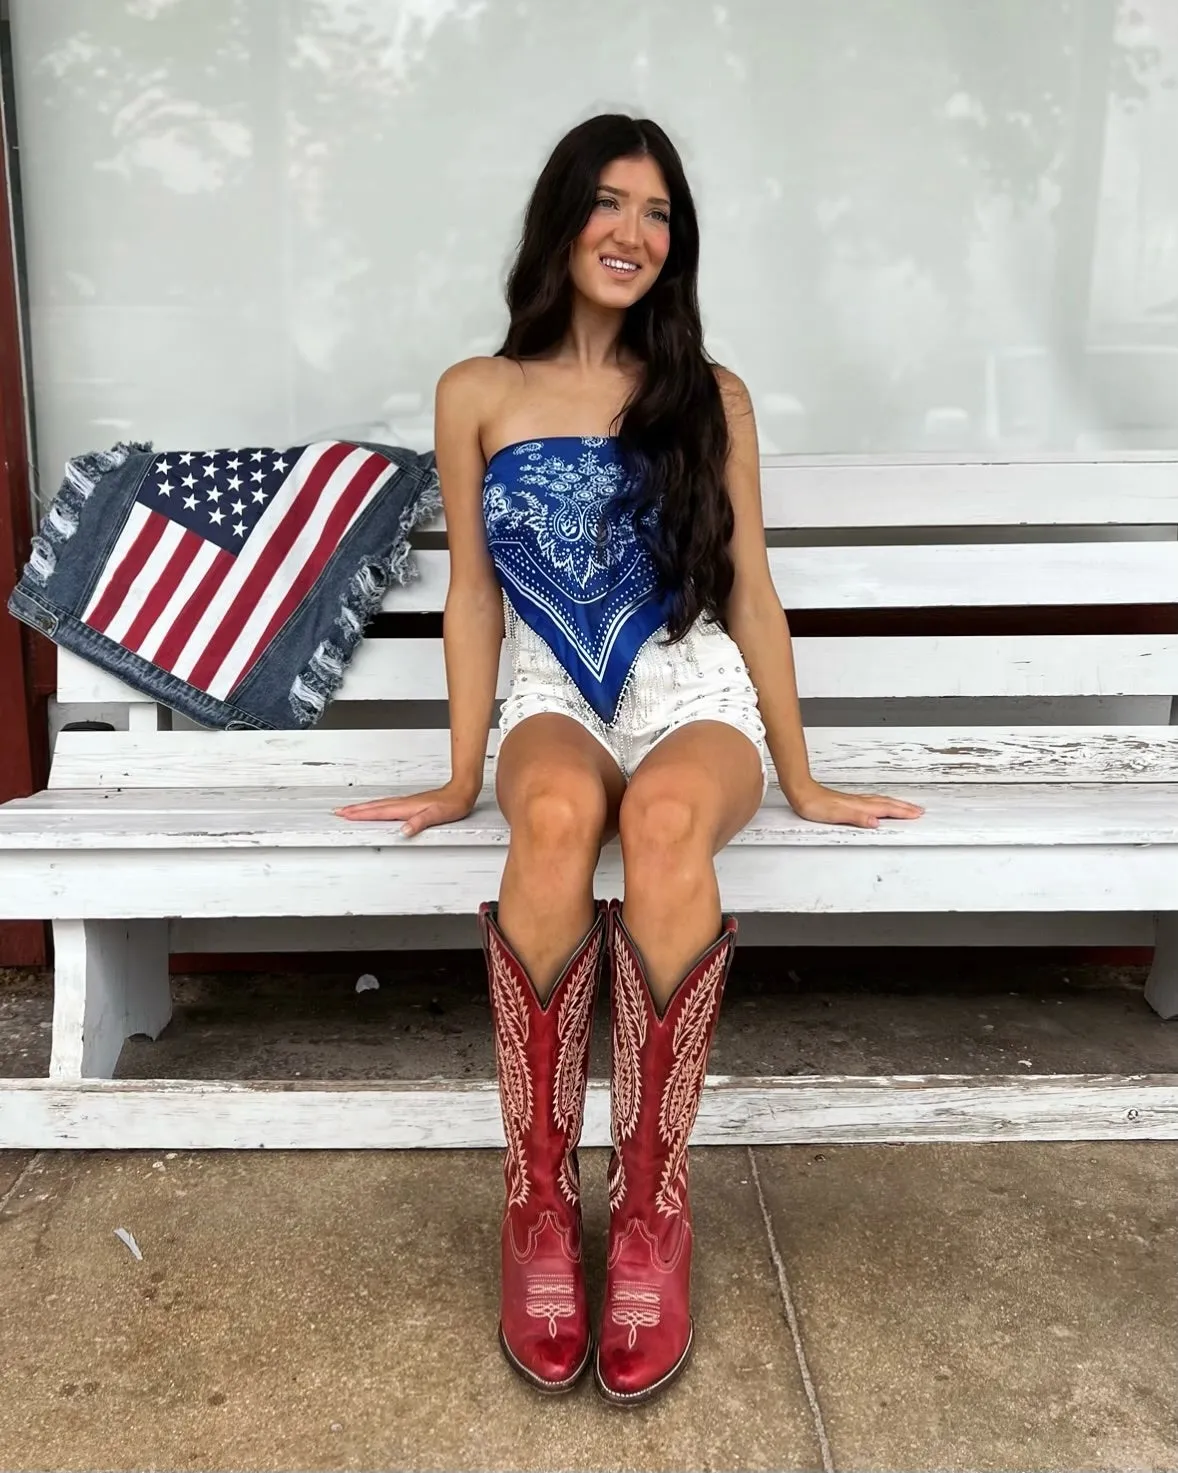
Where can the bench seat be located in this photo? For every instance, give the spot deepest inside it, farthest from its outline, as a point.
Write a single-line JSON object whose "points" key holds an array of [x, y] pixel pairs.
{"points": [[1043, 746], [138, 857], [1032, 815]]}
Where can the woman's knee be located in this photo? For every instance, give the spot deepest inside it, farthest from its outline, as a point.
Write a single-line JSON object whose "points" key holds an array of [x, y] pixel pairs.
{"points": [[660, 821], [558, 810]]}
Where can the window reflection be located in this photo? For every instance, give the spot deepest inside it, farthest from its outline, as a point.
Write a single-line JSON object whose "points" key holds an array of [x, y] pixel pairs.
{"points": [[929, 225]]}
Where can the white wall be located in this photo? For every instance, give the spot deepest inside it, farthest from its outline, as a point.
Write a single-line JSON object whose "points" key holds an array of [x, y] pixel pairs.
{"points": [[928, 224]]}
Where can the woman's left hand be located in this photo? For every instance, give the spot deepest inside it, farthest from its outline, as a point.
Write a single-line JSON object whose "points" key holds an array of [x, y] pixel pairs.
{"points": [[863, 810]]}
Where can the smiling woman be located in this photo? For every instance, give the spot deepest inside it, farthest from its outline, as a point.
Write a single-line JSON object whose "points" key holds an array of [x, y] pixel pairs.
{"points": [[600, 477], [612, 225]]}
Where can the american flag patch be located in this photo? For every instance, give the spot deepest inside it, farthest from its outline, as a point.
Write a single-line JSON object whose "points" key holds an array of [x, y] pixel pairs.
{"points": [[221, 547]]}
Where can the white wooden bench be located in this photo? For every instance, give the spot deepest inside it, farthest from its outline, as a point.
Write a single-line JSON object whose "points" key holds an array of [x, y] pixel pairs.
{"points": [[151, 840]]}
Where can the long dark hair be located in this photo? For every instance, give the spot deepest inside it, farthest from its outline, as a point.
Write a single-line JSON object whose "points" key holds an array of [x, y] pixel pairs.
{"points": [[673, 433]]}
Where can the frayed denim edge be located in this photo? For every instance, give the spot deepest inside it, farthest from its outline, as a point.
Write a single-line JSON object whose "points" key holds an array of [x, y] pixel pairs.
{"points": [[322, 675], [60, 522]]}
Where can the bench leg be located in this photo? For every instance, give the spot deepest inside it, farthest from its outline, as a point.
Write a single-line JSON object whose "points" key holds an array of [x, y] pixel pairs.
{"points": [[110, 980], [1161, 987]]}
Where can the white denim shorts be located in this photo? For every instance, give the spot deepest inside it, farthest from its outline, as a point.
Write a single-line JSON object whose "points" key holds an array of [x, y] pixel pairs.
{"points": [[701, 678]]}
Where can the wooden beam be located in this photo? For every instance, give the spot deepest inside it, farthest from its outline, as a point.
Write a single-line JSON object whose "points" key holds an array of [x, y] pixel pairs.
{"points": [[292, 1115]]}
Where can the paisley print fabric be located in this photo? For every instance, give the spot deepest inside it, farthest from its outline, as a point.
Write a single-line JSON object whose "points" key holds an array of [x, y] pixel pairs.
{"points": [[592, 598]]}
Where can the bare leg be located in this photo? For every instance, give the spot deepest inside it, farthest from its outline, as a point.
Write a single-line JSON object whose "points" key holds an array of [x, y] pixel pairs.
{"points": [[686, 800], [560, 791]]}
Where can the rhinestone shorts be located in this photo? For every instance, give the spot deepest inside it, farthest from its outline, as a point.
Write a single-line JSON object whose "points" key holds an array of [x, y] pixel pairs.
{"points": [[701, 678]]}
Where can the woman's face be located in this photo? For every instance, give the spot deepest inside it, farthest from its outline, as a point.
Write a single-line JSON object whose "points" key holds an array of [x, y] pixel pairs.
{"points": [[617, 257]]}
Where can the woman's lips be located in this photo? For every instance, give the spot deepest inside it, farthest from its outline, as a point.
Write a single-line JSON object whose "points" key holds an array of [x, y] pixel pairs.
{"points": [[619, 267]]}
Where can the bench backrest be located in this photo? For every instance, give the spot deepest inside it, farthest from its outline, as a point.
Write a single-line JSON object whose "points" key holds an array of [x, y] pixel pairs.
{"points": [[862, 554]]}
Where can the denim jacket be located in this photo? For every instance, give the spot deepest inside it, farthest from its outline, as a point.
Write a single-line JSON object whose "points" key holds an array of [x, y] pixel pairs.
{"points": [[300, 667]]}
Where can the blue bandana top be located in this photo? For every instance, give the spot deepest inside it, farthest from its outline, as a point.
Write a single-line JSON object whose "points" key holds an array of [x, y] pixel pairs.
{"points": [[595, 606]]}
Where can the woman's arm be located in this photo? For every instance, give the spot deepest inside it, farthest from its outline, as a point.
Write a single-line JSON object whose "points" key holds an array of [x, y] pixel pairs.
{"points": [[472, 624], [758, 624]]}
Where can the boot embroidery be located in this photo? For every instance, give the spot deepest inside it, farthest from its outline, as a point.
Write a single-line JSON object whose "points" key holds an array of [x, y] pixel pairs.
{"points": [[629, 1037], [616, 1182], [550, 1299], [635, 1306], [685, 1081], [573, 1025], [637, 1233], [568, 1237], [515, 1077]]}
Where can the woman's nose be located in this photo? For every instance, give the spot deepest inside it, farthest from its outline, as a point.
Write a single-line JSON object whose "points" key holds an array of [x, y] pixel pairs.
{"points": [[627, 232]]}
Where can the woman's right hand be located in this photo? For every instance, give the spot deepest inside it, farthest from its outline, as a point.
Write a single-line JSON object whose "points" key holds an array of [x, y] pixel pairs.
{"points": [[446, 804]]}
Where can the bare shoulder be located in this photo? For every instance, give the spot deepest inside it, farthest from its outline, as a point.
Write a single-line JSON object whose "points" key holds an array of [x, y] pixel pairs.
{"points": [[475, 381], [732, 387], [468, 396], [738, 403]]}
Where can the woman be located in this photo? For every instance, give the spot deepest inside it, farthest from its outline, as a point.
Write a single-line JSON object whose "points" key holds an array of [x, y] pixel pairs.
{"points": [[600, 481]]}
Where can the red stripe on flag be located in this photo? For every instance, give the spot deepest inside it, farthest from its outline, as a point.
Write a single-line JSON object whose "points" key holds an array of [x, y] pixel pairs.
{"points": [[189, 616], [167, 583], [280, 542], [127, 571], [333, 529]]}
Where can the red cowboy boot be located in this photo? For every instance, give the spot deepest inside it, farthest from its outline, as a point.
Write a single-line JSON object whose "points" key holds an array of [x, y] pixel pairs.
{"points": [[657, 1080], [542, 1060]]}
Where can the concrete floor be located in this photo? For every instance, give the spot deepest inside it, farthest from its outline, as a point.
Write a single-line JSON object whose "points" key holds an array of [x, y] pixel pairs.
{"points": [[993, 1306], [858, 1307]]}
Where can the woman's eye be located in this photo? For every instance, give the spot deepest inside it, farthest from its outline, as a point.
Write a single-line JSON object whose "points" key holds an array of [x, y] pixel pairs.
{"points": [[606, 200], [661, 216]]}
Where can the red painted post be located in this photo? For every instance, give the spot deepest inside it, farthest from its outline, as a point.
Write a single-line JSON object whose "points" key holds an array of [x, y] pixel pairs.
{"points": [[24, 757]]}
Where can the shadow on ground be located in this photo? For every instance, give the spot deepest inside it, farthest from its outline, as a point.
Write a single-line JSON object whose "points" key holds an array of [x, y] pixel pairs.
{"points": [[785, 1013]]}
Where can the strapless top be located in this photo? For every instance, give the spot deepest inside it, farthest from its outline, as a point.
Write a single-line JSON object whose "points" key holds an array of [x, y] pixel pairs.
{"points": [[591, 596]]}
